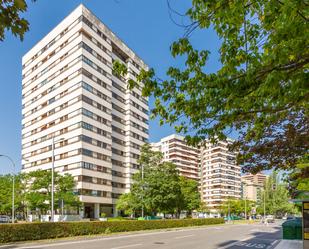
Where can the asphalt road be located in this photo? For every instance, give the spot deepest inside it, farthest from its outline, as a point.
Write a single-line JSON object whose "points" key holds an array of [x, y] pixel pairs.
{"points": [[214, 237]]}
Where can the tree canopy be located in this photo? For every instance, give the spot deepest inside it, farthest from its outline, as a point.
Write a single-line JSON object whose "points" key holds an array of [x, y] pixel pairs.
{"points": [[33, 191], [160, 189], [11, 20], [237, 206], [261, 90]]}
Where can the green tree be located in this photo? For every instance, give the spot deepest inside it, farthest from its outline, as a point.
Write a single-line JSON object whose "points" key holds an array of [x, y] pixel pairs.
{"points": [[6, 187], [129, 203], [261, 90], [6, 194], [237, 206], [161, 189], [191, 195], [10, 18], [39, 192], [276, 197]]}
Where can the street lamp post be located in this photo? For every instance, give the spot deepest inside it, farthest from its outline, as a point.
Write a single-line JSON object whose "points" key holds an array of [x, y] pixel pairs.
{"points": [[52, 176], [245, 207], [52, 180], [264, 195], [13, 188], [142, 190]]}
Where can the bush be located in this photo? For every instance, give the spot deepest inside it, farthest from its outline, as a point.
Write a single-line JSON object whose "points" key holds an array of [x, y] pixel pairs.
{"points": [[48, 230]]}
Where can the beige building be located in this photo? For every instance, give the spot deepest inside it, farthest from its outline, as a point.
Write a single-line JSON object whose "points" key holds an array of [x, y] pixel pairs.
{"points": [[220, 175], [252, 185], [214, 166], [69, 93], [175, 150]]}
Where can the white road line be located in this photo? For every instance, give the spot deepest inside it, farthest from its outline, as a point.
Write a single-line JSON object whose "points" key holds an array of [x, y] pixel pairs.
{"points": [[185, 236], [272, 244], [120, 247]]}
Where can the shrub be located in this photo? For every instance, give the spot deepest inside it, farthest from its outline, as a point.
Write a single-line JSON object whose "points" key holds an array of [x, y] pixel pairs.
{"points": [[48, 230]]}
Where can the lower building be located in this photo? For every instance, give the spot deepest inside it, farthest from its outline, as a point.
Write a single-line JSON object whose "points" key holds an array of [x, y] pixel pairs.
{"points": [[220, 175], [213, 165], [251, 186], [185, 157]]}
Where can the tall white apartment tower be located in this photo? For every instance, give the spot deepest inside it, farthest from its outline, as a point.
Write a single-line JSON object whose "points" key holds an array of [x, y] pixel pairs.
{"points": [[185, 157], [220, 175], [69, 93]]}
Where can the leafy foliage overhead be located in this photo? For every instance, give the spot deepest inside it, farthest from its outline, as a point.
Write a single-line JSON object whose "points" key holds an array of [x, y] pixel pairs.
{"points": [[261, 90], [10, 18]]}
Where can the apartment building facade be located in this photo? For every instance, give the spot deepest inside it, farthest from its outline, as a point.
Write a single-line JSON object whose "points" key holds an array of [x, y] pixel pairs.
{"points": [[220, 175], [185, 157], [251, 186], [213, 165], [69, 94]]}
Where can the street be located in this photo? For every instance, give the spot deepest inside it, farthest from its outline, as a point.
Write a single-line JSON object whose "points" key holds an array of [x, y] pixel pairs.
{"points": [[219, 237]]}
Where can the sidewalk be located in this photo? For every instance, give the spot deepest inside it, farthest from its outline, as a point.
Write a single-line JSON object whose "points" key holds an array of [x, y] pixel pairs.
{"points": [[290, 244]]}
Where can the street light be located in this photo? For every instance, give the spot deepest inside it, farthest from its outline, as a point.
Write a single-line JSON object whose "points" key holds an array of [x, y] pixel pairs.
{"points": [[13, 191], [142, 190], [52, 180], [245, 197]]}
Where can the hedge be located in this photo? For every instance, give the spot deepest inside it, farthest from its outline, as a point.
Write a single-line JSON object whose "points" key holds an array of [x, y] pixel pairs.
{"points": [[49, 230]]}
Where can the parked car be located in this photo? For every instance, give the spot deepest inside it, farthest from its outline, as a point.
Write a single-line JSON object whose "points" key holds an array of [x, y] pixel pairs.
{"points": [[5, 219]]}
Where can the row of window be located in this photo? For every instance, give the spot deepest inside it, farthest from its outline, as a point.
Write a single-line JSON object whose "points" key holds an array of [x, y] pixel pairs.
{"points": [[97, 193], [49, 59], [100, 181], [53, 76], [137, 106], [68, 116], [67, 129], [71, 26], [52, 42], [95, 54], [55, 63]]}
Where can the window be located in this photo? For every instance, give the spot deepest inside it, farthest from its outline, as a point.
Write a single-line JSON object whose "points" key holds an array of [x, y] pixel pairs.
{"points": [[52, 100], [87, 152]]}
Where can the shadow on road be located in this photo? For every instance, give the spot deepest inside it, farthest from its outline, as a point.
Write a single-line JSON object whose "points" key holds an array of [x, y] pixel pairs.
{"points": [[261, 238]]}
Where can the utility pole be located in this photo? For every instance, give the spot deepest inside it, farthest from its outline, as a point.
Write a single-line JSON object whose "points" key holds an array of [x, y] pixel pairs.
{"points": [[52, 176], [264, 204], [229, 212], [52, 180]]}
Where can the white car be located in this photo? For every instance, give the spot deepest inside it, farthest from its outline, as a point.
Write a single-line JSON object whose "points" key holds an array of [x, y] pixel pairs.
{"points": [[4, 219]]}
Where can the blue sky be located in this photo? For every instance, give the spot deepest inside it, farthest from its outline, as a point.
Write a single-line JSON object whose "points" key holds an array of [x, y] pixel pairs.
{"points": [[145, 26]]}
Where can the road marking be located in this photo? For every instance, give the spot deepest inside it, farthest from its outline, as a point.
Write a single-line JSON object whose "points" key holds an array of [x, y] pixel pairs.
{"points": [[185, 236], [252, 245], [120, 247], [236, 242], [273, 244]]}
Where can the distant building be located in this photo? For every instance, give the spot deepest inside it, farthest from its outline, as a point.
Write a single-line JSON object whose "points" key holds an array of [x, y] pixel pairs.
{"points": [[220, 175], [69, 93], [252, 185], [185, 157], [214, 166]]}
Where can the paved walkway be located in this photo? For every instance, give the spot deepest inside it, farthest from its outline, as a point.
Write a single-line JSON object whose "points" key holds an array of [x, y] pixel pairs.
{"points": [[290, 244]]}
